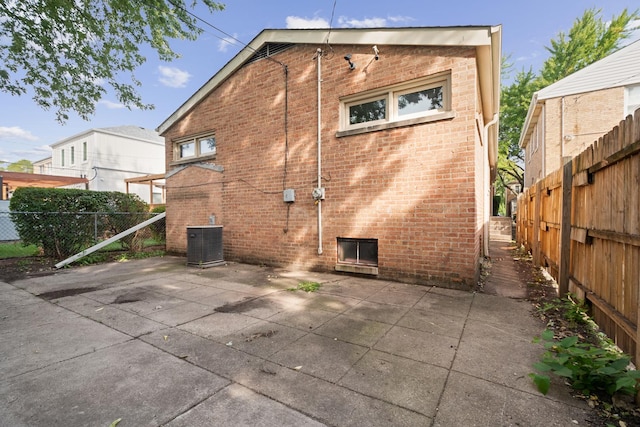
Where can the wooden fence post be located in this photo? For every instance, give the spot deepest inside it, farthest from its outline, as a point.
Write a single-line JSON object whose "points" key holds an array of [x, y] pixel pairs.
{"points": [[564, 264], [535, 244]]}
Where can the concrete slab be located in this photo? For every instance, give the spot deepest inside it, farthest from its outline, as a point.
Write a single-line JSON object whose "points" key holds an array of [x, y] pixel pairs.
{"points": [[470, 401], [127, 381], [433, 322], [354, 330], [500, 310], [409, 384], [238, 406], [380, 312], [334, 303], [34, 313], [111, 316], [31, 347], [304, 318], [263, 338], [397, 297], [219, 299], [218, 325], [357, 352], [357, 290], [215, 357], [456, 303], [421, 346], [261, 308], [180, 313], [322, 357], [326, 402], [13, 297], [198, 292], [507, 356]]}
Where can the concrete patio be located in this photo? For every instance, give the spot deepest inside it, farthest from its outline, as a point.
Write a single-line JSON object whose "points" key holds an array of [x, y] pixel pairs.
{"points": [[153, 342]]}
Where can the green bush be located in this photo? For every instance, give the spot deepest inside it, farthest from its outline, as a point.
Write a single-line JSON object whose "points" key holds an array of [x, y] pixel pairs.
{"points": [[125, 211], [159, 228], [60, 221], [590, 369]]}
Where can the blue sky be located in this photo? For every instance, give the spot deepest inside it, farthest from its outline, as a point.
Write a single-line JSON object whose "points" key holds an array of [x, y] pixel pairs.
{"points": [[26, 130]]}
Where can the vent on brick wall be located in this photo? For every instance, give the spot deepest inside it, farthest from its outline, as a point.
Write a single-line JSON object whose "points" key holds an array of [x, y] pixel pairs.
{"points": [[268, 50]]}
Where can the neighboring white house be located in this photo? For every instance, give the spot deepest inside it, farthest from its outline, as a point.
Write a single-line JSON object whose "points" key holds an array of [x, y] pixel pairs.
{"points": [[108, 156], [569, 115]]}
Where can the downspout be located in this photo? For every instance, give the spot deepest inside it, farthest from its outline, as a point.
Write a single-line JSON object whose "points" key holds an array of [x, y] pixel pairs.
{"points": [[561, 132], [491, 150], [319, 200]]}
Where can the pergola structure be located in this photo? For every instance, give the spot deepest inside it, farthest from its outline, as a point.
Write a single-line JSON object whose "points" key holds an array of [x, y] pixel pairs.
{"points": [[156, 180], [11, 180]]}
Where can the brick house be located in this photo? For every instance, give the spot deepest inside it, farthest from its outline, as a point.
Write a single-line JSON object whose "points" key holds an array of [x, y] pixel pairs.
{"points": [[360, 150], [567, 116]]}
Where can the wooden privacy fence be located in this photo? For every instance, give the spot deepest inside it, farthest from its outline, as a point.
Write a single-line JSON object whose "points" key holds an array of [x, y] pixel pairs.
{"points": [[582, 223]]}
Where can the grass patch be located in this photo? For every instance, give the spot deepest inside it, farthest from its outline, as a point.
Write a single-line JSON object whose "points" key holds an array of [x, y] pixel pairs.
{"points": [[306, 286], [16, 250]]}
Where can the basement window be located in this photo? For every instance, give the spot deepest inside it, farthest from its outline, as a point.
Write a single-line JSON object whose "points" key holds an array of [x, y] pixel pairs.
{"points": [[358, 251]]}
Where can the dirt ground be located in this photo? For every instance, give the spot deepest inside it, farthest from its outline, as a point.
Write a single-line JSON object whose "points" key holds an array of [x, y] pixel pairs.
{"points": [[13, 269]]}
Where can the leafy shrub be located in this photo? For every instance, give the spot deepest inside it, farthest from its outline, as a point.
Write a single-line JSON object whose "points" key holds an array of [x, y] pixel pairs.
{"points": [[589, 369], [159, 228], [125, 211], [60, 221]]}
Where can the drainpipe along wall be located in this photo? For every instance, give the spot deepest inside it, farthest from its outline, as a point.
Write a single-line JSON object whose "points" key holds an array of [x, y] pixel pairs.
{"points": [[488, 201], [319, 201]]}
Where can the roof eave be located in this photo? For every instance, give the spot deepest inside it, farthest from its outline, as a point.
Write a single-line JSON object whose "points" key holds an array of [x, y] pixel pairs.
{"points": [[432, 36], [532, 112]]}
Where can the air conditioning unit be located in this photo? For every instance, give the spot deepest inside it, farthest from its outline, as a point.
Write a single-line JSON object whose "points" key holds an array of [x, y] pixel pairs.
{"points": [[204, 246]]}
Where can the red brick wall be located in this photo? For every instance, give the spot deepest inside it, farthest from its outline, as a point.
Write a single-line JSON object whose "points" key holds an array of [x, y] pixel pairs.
{"points": [[413, 188]]}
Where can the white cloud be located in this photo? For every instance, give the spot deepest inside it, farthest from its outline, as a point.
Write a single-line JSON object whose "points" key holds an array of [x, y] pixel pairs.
{"points": [[227, 42], [398, 19], [173, 77], [299, 22], [343, 21], [111, 105], [41, 152], [16, 132]]}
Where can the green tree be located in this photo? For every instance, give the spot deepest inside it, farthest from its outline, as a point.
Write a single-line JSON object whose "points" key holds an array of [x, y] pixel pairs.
{"points": [[65, 51], [23, 165], [589, 39]]}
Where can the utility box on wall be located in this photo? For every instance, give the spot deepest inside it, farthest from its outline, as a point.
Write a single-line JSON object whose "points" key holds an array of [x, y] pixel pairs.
{"points": [[204, 246]]}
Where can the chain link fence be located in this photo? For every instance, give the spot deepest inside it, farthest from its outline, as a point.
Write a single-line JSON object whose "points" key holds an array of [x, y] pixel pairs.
{"points": [[62, 234]]}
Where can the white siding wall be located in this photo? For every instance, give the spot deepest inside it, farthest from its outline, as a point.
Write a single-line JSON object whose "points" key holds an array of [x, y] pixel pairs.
{"points": [[110, 160]]}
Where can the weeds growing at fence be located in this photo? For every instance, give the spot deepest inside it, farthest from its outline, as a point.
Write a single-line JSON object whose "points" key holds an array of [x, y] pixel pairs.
{"points": [[589, 360]]}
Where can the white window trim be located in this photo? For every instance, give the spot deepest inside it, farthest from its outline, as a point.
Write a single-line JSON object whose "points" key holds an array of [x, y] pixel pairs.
{"points": [[195, 139], [390, 94], [630, 108]]}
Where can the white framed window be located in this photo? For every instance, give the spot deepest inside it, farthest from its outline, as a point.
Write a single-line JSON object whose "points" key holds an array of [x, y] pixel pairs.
{"points": [[195, 147], [632, 99], [410, 100], [84, 151], [73, 155], [62, 157]]}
